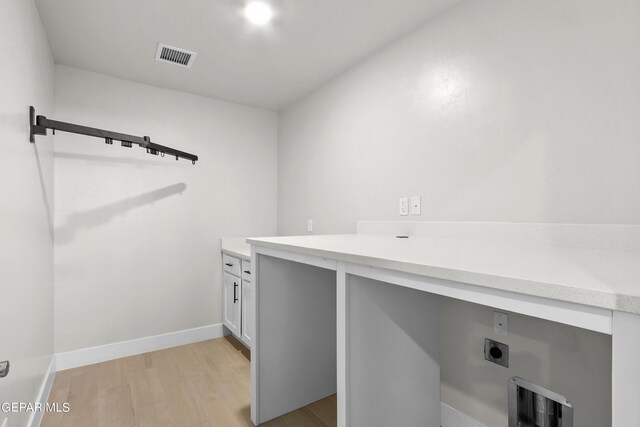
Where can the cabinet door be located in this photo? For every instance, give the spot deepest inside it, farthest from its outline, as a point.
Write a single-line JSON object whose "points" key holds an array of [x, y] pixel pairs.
{"points": [[247, 312], [232, 302]]}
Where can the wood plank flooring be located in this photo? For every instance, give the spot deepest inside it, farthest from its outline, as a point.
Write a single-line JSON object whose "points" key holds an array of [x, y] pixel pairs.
{"points": [[206, 384]]}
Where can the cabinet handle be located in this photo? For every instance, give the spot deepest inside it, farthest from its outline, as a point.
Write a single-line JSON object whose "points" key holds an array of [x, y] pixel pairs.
{"points": [[235, 292], [247, 271], [228, 264]]}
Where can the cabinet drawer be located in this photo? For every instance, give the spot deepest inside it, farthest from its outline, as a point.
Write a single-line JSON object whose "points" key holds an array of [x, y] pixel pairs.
{"points": [[247, 272], [231, 264]]}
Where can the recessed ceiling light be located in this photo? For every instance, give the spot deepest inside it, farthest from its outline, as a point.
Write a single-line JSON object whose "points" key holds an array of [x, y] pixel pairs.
{"points": [[258, 12]]}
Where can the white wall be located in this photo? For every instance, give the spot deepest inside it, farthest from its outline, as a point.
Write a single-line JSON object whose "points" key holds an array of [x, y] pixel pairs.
{"points": [[504, 111], [494, 111], [137, 238], [26, 206]]}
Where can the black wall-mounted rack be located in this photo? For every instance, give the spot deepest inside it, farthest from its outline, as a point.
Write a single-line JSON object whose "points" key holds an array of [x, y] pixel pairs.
{"points": [[39, 125]]}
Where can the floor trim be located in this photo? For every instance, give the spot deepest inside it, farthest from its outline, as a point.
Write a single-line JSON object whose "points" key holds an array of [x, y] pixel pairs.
{"points": [[43, 395], [103, 353], [451, 417]]}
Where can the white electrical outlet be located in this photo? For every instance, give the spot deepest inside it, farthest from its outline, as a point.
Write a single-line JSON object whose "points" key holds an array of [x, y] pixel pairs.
{"points": [[404, 206], [501, 323], [310, 226], [415, 205]]}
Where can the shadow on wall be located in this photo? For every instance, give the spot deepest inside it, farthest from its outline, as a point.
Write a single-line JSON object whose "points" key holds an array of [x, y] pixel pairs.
{"points": [[102, 215], [43, 188]]}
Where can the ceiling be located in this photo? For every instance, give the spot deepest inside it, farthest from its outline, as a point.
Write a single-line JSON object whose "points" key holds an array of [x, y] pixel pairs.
{"points": [[308, 42]]}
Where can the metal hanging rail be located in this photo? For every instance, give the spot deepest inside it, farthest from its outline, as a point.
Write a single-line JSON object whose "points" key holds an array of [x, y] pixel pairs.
{"points": [[40, 124]]}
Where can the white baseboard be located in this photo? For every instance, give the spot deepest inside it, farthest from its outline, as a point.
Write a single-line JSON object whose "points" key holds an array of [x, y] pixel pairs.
{"points": [[103, 353], [43, 394], [450, 417]]}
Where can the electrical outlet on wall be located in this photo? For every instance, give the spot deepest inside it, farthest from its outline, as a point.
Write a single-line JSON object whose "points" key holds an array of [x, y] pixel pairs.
{"points": [[415, 205], [404, 206], [310, 226], [501, 324], [496, 352]]}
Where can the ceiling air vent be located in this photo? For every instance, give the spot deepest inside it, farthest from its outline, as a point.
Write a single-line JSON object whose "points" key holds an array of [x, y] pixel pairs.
{"points": [[175, 55]]}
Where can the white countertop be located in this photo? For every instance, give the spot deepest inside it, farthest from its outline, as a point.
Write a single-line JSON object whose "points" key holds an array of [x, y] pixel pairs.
{"points": [[602, 278], [236, 246]]}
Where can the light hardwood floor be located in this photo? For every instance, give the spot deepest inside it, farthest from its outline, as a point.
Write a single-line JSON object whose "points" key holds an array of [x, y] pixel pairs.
{"points": [[198, 385]]}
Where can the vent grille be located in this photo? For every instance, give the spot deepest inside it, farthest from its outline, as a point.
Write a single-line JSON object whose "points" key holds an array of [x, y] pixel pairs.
{"points": [[175, 55]]}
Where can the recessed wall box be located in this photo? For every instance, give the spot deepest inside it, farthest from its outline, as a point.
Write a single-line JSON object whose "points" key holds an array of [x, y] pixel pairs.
{"points": [[496, 352], [531, 405]]}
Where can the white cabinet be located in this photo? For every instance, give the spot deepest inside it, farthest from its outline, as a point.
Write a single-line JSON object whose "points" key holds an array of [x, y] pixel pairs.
{"points": [[232, 302], [247, 312], [238, 297], [246, 270], [231, 264]]}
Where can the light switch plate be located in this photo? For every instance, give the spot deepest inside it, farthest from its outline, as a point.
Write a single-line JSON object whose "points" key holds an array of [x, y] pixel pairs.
{"points": [[404, 206], [501, 324], [415, 205]]}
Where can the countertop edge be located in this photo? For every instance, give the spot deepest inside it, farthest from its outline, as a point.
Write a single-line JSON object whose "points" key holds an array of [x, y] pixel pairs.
{"points": [[236, 254], [553, 291]]}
